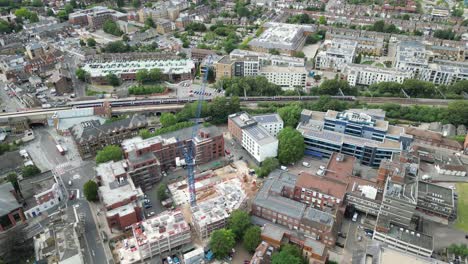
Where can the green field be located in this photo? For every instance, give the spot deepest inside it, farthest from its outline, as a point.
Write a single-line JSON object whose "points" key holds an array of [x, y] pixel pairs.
{"points": [[462, 219]]}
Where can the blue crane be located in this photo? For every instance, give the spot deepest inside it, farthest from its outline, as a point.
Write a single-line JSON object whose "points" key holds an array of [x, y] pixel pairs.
{"points": [[189, 153]]}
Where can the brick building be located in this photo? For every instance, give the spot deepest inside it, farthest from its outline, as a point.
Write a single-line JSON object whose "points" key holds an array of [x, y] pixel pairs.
{"points": [[147, 158], [11, 211], [121, 199], [92, 136], [95, 17]]}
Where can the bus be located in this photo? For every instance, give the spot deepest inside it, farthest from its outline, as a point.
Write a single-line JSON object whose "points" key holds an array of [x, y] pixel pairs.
{"points": [[60, 149]]}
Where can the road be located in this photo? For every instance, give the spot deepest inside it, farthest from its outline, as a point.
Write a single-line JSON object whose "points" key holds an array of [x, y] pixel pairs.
{"points": [[9, 104], [71, 63]]}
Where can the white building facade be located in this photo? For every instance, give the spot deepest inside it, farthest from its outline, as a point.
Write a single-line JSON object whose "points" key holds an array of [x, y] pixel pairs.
{"points": [[357, 74], [259, 143], [286, 77]]}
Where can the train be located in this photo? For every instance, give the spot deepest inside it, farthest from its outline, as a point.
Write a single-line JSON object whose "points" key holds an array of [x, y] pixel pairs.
{"points": [[133, 101]]}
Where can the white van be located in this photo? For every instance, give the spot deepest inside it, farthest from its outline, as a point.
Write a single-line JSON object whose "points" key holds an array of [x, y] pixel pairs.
{"points": [[355, 216], [284, 168]]}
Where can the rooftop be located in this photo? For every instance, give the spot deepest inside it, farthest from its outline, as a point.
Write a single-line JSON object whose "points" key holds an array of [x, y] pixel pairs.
{"points": [[268, 118], [180, 66], [411, 237], [269, 57], [8, 201], [281, 36], [259, 134]]}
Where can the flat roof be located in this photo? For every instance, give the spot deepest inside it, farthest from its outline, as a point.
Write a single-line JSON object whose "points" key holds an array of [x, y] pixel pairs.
{"points": [[411, 237], [259, 134], [180, 66], [281, 36], [8, 201], [268, 118]]}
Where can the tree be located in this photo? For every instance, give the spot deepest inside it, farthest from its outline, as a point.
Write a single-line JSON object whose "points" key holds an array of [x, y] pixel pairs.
{"points": [[112, 79], [333, 87], [33, 18], [82, 43], [68, 8], [299, 54], [290, 145], [238, 222], [116, 47], [50, 12], [222, 107], [358, 59], [268, 165], [322, 20], [457, 112], [108, 153], [73, 3], [162, 191], [136, 3], [82, 75], [29, 171], [23, 12], [5, 27], [221, 242], [149, 22], [62, 15], [112, 28], [13, 178], [91, 42], [252, 238], [167, 119], [444, 34], [155, 75], [274, 52], [284, 257], [90, 191], [458, 250], [37, 3], [120, 3], [290, 115]]}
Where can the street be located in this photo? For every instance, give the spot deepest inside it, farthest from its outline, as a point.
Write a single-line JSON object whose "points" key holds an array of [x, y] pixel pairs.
{"points": [[9, 104]]}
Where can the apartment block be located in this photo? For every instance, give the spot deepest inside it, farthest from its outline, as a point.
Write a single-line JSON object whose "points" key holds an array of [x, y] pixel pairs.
{"points": [[285, 38], [95, 17], [336, 55], [271, 122], [212, 214], [118, 194], [253, 136], [91, 136], [359, 133], [288, 78], [156, 236], [147, 158], [172, 70], [367, 45], [358, 74], [443, 72]]}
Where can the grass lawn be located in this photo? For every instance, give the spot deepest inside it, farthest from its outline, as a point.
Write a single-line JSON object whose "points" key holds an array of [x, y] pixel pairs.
{"points": [[462, 219], [380, 65], [367, 62]]}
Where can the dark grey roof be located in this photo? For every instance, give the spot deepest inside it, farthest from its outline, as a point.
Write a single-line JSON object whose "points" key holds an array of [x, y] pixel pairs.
{"points": [[314, 215], [259, 134], [186, 133], [10, 161], [8, 201], [93, 129], [268, 118]]}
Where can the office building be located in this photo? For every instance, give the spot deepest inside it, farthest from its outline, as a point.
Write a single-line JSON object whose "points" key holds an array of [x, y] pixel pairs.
{"points": [[359, 133], [172, 70], [285, 38], [91, 136], [156, 236], [358, 74], [148, 158], [118, 194], [337, 54], [253, 136], [95, 17]]}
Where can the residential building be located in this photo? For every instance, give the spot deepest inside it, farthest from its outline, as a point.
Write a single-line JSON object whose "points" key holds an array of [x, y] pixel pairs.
{"points": [[91, 136], [288, 78], [95, 17], [118, 194], [213, 214], [268, 59], [253, 137], [285, 38], [411, 56], [276, 236], [444, 72], [200, 54], [59, 242], [164, 26], [158, 235], [10, 66], [274, 202], [47, 194], [11, 211], [271, 122], [337, 54], [359, 133], [367, 45], [358, 74], [34, 50], [147, 158], [172, 70]]}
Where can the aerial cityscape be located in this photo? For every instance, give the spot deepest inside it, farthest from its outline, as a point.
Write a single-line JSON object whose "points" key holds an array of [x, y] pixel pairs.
{"points": [[234, 131]]}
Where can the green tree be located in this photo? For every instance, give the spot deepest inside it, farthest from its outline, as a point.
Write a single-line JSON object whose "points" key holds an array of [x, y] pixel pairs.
{"points": [[268, 165], [458, 250], [112, 28], [358, 59], [90, 191], [50, 12], [332, 87], [13, 178], [155, 75], [73, 3], [91, 42], [108, 153], [444, 34], [33, 18], [167, 119], [221, 242], [142, 76], [290, 145], [238, 222], [136, 3], [221, 107], [62, 15], [120, 3], [299, 54], [82, 75], [82, 43], [252, 238], [5, 27], [322, 20], [116, 47], [23, 12], [161, 191], [284, 257], [149, 22], [274, 52], [112, 79], [29, 171], [68, 8], [37, 3], [290, 115], [457, 112]]}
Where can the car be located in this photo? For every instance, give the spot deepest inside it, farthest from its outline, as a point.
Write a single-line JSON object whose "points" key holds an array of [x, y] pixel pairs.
{"points": [[70, 183], [175, 259], [169, 260], [355, 216], [359, 238], [147, 206], [341, 245], [370, 234], [71, 196], [343, 235]]}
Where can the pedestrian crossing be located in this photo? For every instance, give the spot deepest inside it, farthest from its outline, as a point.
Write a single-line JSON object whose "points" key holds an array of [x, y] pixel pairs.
{"points": [[62, 168]]}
